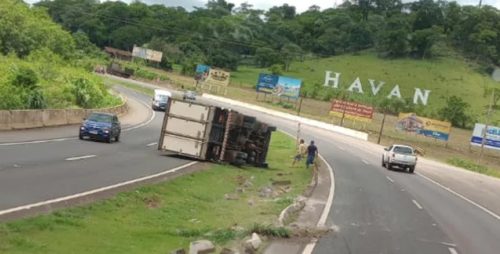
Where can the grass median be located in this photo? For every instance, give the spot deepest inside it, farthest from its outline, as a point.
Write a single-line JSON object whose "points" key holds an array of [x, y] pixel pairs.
{"points": [[166, 216]]}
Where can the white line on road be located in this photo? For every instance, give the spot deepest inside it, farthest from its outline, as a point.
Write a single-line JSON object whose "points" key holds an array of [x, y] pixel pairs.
{"points": [[452, 250], [365, 162], [329, 201], [310, 247], [83, 194], [390, 179], [152, 144], [417, 204], [80, 157], [341, 148], [496, 216]]}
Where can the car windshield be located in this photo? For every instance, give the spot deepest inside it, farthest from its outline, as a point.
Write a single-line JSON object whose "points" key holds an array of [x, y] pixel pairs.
{"points": [[100, 118], [403, 150], [161, 97]]}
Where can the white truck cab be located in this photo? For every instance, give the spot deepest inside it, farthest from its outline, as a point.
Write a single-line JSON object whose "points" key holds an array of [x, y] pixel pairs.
{"points": [[160, 99]]}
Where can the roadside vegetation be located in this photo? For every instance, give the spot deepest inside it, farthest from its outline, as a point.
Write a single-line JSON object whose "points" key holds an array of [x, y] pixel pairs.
{"points": [[221, 203], [43, 66]]}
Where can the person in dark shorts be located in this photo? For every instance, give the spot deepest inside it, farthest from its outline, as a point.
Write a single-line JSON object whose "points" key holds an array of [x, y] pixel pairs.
{"points": [[301, 152], [312, 153]]}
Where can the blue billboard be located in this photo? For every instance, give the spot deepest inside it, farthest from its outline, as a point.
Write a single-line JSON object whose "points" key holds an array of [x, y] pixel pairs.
{"points": [[279, 85], [492, 136]]}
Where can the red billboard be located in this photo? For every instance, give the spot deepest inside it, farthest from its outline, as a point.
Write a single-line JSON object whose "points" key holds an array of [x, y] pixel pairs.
{"points": [[351, 110]]}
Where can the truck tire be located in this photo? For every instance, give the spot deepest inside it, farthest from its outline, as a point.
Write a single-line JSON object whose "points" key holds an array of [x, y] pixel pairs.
{"points": [[412, 169]]}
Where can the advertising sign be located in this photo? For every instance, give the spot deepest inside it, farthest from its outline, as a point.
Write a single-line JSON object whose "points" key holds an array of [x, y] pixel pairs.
{"points": [[147, 54], [410, 122], [218, 77], [351, 110], [201, 68], [279, 85], [492, 136]]}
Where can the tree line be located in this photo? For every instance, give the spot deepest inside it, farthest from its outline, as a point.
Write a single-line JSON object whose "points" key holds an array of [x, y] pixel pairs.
{"points": [[224, 35]]}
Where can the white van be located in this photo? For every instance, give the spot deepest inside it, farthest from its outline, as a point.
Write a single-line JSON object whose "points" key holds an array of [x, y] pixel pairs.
{"points": [[160, 99]]}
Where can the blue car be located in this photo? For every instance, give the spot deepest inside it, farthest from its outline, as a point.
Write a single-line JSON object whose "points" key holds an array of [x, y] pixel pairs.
{"points": [[101, 126]]}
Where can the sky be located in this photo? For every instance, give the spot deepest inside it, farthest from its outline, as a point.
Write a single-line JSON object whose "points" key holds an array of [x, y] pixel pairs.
{"points": [[301, 5]]}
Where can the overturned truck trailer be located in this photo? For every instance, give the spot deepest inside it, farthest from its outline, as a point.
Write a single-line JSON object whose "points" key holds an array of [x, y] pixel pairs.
{"points": [[214, 134]]}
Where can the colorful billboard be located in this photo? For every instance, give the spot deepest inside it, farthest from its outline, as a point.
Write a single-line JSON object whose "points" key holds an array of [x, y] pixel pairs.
{"points": [[410, 122], [218, 77], [492, 136], [279, 85], [351, 110], [147, 54]]}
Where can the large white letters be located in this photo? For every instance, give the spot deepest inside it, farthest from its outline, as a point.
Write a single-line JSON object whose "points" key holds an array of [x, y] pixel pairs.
{"points": [[329, 79], [376, 89], [356, 85], [395, 92], [423, 97]]}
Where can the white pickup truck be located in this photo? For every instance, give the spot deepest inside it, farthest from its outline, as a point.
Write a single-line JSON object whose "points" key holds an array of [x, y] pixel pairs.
{"points": [[400, 156]]}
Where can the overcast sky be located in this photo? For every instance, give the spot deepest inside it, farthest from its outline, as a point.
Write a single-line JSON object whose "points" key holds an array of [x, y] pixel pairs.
{"points": [[301, 5]]}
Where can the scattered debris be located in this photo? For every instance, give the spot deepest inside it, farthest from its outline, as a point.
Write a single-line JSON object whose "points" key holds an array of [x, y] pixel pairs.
{"points": [[152, 202], [255, 241], [247, 184], [231, 196], [201, 247], [240, 190], [282, 182], [178, 251], [251, 202], [266, 192], [228, 251]]}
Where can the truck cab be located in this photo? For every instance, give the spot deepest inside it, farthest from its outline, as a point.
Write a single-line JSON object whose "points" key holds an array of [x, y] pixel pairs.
{"points": [[160, 99]]}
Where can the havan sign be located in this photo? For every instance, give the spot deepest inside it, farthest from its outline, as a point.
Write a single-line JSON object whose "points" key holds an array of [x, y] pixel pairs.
{"points": [[333, 80]]}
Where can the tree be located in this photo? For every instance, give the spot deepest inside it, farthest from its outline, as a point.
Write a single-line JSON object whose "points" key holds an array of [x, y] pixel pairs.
{"points": [[265, 57], [455, 111], [288, 53], [394, 38], [422, 41]]}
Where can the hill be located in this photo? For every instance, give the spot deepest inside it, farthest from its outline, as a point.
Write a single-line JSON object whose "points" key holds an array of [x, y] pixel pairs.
{"points": [[444, 77]]}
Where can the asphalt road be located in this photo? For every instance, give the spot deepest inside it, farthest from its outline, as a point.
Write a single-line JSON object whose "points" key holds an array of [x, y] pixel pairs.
{"points": [[374, 210], [37, 172]]}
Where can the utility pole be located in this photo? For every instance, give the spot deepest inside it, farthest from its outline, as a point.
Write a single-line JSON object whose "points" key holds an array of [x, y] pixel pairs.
{"points": [[488, 117], [496, 76], [480, 3]]}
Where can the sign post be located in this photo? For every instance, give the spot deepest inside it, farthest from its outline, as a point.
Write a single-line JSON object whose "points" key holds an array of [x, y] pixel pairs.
{"points": [[496, 76]]}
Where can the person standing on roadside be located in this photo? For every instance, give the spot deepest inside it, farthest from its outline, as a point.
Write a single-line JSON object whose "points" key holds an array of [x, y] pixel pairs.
{"points": [[312, 153], [301, 152]]}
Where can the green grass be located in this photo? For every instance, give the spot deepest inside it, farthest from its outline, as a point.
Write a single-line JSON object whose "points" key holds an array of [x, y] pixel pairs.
{"points": [[472, 166], [166, 216], [444, 77]]}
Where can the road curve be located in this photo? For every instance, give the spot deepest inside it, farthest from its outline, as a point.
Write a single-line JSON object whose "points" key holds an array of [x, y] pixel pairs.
{"points": [[374, 210], [31, 173]]}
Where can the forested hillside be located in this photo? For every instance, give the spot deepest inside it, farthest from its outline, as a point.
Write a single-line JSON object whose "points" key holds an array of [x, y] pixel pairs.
{"points": [[44, 66], [225, 35]]}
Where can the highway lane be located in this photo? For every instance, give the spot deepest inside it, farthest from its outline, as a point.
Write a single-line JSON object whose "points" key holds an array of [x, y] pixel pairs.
{"points": [[380, 211], [374, 210], [32, 173]]}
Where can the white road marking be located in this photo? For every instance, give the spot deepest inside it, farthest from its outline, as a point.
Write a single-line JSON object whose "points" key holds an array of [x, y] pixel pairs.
{"points": [[452, 250], [310, 247], [365, 162], [448, 244], [152, 144], [329, 201], [496, 216], [341, 148], [81, 157], [390, 179], [417, 204], [87, 193]]}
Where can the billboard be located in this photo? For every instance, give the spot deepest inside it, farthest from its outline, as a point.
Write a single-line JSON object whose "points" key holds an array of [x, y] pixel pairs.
{"points": [[410, 122], [492, 136], [218, 77], [279, 85], [147, 54], [351, 110]]}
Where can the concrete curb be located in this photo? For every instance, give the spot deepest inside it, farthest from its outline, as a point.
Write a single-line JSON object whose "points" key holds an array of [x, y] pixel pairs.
{"points": [[30, 119], [303, 120]]}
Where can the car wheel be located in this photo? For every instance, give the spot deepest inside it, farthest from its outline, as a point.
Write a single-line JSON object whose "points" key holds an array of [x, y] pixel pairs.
{"points": [[117, 138], [389, 166], [383, 163], [80, 137], [412, 169], [108, 139]]}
